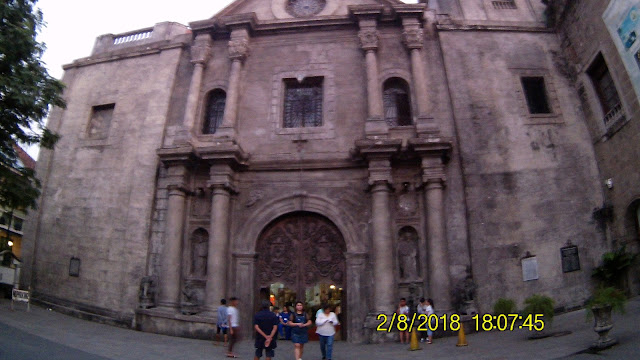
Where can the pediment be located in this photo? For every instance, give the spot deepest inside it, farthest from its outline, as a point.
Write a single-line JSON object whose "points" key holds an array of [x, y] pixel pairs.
{"points": [[270, 10]]}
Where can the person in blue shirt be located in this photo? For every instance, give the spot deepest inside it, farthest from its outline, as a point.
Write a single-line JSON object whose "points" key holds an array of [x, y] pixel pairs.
{"points": [[285, 315], [222, 325]]}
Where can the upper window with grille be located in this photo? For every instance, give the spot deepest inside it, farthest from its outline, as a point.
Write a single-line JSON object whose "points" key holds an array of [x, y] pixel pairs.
{"points": [[303, 102], [216, 101], [397, 104], [606, 90]]}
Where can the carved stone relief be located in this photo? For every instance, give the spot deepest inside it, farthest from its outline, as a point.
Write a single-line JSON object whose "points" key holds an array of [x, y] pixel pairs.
{"points": [[300, 250]]}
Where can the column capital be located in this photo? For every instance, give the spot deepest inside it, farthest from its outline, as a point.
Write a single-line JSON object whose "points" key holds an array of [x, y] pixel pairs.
{"points": [[433, 172], [413, 37], [239, 44], [201, 49], [369, 39]]}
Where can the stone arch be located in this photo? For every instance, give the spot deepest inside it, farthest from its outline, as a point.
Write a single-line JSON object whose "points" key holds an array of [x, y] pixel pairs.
{"points": [[264, 214], [247, 234]]}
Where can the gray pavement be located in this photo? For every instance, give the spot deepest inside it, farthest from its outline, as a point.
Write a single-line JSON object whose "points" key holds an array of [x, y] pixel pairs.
{"points": [[44, 334]]}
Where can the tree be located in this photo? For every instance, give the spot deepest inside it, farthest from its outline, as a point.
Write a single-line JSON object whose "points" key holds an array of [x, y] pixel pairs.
{"points": [[26, 93]]}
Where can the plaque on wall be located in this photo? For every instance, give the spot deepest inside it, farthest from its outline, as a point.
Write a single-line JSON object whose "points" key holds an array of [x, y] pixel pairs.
{"points": [[529, 268], [570, 259]]}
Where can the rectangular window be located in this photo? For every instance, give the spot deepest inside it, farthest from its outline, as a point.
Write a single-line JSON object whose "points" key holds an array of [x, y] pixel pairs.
{"points": [[100, 121], [504, 4], [303, 102], [536, 94], [17, 224], [606, 90]]}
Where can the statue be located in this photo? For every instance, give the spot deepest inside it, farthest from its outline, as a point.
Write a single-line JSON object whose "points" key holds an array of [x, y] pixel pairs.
{"points": [[199, 253], [147, 293], [408, 253]]}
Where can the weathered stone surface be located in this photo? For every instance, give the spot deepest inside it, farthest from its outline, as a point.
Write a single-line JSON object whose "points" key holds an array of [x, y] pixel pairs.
{"points": [[479, 180]]}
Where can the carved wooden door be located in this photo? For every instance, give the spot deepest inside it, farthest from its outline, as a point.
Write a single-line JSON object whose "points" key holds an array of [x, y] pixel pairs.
{"points": [[301, 250]]}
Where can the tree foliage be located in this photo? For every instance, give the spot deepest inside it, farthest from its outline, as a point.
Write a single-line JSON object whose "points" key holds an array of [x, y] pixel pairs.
{"points": [[26, 93]]}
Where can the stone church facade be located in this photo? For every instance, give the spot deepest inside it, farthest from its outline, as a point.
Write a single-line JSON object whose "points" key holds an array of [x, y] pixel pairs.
{"points": [[342, 151]]}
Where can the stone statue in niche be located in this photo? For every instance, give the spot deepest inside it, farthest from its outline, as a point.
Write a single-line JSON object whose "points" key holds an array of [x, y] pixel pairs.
{"points": [[199, 252], [408, 253], [147, 295]]}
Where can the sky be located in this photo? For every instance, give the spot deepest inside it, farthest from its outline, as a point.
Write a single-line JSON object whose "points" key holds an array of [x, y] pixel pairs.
{"points": [[73, 25]]}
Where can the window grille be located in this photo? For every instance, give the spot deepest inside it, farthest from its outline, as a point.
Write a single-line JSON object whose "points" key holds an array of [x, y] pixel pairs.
{"points": [[504, 4], [215, 111], [303, 103]]}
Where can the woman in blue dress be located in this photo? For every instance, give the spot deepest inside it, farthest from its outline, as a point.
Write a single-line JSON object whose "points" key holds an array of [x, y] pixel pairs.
{"points": [[299, 334]]}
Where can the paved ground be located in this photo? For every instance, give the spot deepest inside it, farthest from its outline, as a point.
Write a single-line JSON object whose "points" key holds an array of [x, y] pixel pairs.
{"points": [[43, 334]]}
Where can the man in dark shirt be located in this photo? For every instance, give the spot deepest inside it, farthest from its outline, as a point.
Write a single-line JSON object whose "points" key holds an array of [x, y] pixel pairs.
{"points": [[265, 323]]}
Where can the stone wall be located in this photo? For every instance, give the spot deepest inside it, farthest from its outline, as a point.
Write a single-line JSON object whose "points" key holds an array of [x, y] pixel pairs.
{"points": [[583, 34], [530, 181], [98, 190]]}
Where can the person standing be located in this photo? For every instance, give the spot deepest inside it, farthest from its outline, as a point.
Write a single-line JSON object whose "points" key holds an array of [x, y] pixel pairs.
{"points": [[299, 335], [326, 328], [430, 312], [422, 312], [284, 316], [233, 319], [222, 325], [265, 323], [403, 309]]}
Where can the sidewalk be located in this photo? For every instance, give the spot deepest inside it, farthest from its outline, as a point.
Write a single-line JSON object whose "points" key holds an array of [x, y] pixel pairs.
{"points": [[54, 334]]}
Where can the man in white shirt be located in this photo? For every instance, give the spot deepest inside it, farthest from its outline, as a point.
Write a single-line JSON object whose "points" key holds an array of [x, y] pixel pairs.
{"points": [[234, 325], [326, 322]]}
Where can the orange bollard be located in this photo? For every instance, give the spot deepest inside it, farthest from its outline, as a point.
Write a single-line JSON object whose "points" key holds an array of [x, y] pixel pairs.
{"points": [[414, 345], [462, 338]]}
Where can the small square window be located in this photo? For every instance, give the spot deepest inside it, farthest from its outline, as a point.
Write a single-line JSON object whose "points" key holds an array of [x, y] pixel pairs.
{"points": [[100, 121], [536, 95], [74, 267]]}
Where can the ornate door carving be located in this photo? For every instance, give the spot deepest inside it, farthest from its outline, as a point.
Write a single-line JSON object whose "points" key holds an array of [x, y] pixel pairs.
{"points": [[301, 250]]}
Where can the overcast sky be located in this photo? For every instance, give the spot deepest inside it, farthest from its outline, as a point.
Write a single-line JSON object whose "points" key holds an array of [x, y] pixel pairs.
{"points": [[73, 25]]}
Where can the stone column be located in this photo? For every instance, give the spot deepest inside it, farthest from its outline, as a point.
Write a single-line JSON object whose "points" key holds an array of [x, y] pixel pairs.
{"points": [[169, 295], [414, 39], [375, 127], [356, 310], [217, 261], [439, 280], [383, 273], [200, 51], [369, 41], [238, 52]]}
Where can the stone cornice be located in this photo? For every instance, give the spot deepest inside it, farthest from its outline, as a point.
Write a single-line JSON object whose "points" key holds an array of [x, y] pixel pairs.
{"points": [[366, 11], [410, 10], [433, 145], [228, 153], [377, 148], [183, 155], [142, 50]]}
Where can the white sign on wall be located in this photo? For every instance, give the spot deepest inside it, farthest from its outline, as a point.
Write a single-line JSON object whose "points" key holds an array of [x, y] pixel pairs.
{"points": [[529, 268], [622, 18]]}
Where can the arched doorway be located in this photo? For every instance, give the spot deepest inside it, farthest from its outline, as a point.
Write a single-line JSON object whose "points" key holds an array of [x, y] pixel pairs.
{"points": [[301, 256]]}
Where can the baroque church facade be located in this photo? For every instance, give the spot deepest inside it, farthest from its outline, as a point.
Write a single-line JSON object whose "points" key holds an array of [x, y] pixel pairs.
{"points": [[342, 151]]}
